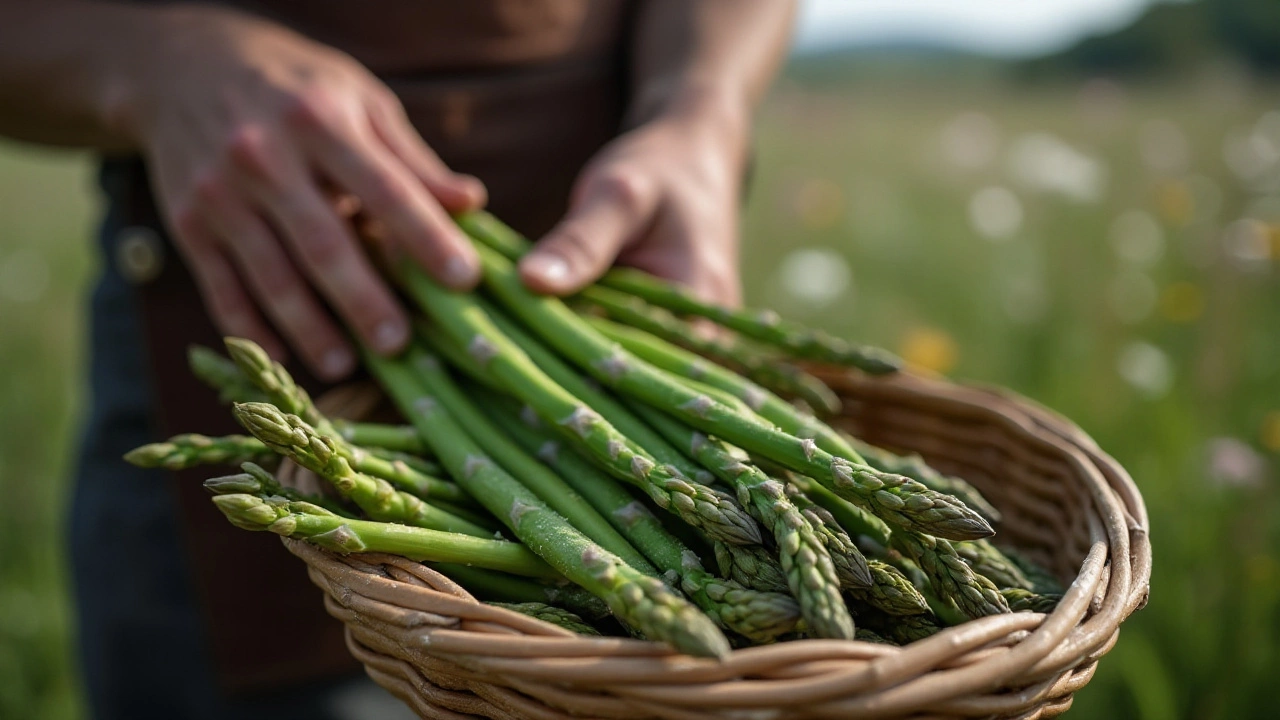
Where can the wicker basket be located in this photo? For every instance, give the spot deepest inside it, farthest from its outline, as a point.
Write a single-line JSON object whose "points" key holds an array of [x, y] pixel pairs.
{"points": [[1065, 503]]}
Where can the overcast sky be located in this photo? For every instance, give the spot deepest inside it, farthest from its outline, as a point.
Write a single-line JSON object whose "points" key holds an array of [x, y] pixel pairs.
{"points": [[996, 27]]}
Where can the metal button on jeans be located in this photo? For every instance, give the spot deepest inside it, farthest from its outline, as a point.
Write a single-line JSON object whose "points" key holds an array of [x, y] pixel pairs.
{"points": [[139, 254]]}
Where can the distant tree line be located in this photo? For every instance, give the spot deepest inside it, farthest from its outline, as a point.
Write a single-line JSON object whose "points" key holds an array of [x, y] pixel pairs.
{"points": [[1175, 36]]}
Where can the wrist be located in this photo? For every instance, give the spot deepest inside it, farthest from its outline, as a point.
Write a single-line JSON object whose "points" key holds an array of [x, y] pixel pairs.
{"points": [[708, 112]]}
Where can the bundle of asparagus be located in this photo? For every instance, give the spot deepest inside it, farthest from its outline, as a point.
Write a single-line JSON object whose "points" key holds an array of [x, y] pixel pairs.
{"points": [[601, 459]]}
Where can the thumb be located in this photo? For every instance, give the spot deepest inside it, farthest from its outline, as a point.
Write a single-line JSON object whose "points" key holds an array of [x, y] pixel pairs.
{"points": [[611, 209]]}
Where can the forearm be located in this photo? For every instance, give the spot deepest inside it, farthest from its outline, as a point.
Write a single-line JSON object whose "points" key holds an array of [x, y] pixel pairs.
{"points": [[64, 69], [707, 57]]}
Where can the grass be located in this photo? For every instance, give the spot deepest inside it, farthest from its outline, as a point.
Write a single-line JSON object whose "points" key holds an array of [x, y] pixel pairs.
{"points": [[1157, 333]]}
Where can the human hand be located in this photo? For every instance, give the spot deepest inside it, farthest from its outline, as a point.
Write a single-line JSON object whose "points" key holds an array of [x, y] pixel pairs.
{"points": [[250, 130], [663, 198]]}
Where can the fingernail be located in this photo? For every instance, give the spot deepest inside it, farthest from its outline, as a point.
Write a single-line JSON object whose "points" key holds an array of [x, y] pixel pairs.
{"points": [[337, 362], [550, 268], [459, 272], [390, 335]]}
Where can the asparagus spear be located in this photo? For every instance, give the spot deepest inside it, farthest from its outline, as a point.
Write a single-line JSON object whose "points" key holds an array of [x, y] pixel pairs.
{"points": [[415, 462], [851, 566], [787, 418], [891, 592], [896, 499], [552, 490], [872, 636], [221, 374], [682, 363], [986, 560], [291, 436], [770, 372], [468, 324], [1042, 581], [810, 575], [973, 595], [550, 614], [760, 616], [276, 383], [639, 601], [902, 629], [610, 408], [319, 526], [852, 519], [914, 467], [401, 438], [1020, 600], [752, 566], [765, 326], [502, 587], [257, 481], [191, 450]]}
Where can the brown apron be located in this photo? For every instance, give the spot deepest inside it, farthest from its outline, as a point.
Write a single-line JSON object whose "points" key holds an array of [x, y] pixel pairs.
{"points": [[519, 93]]}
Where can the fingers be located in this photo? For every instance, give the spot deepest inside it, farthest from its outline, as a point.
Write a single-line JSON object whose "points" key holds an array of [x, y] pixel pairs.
{"points": [[393, 197], [229, 304], [455, 192], [323, 246], [280, 289], [612, 207]]}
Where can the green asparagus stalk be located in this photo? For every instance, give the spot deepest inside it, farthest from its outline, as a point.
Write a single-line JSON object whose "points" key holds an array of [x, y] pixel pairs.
{"points": [[402, 475], [872, 636], [776, 410], [291, 436], [502, 587], [255, 480], [811, 577], [319, 526], [891, 592], [415, 462], [902, 629], [986, 560], [550, 614], [752, 566], [973, 595], [896, 499], [272, 379], [852, 519], [400, 438], [914, 467], [191, 450], [548, 486], [221, 374], [1024, 600], [764, 326], [760, 616], [276, 383], [786, 417], [639, 601], [468, 324], [851, 566], [770, 372], [1042, 581], [685, 364], [610, 408]]}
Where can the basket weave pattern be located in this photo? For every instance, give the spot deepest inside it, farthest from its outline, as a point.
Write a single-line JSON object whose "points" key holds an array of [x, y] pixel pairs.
{"points": [[1065, 503]]}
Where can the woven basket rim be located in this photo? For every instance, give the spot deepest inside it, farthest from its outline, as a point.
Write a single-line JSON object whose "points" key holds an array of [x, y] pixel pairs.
{"points": [[428, 641]]}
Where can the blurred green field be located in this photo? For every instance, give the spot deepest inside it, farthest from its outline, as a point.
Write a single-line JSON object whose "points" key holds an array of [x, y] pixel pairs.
{"points": [[1111, 251]]}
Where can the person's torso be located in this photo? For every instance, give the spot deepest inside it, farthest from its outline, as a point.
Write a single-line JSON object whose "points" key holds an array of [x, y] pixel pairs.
{"points": [[432, 37]]}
